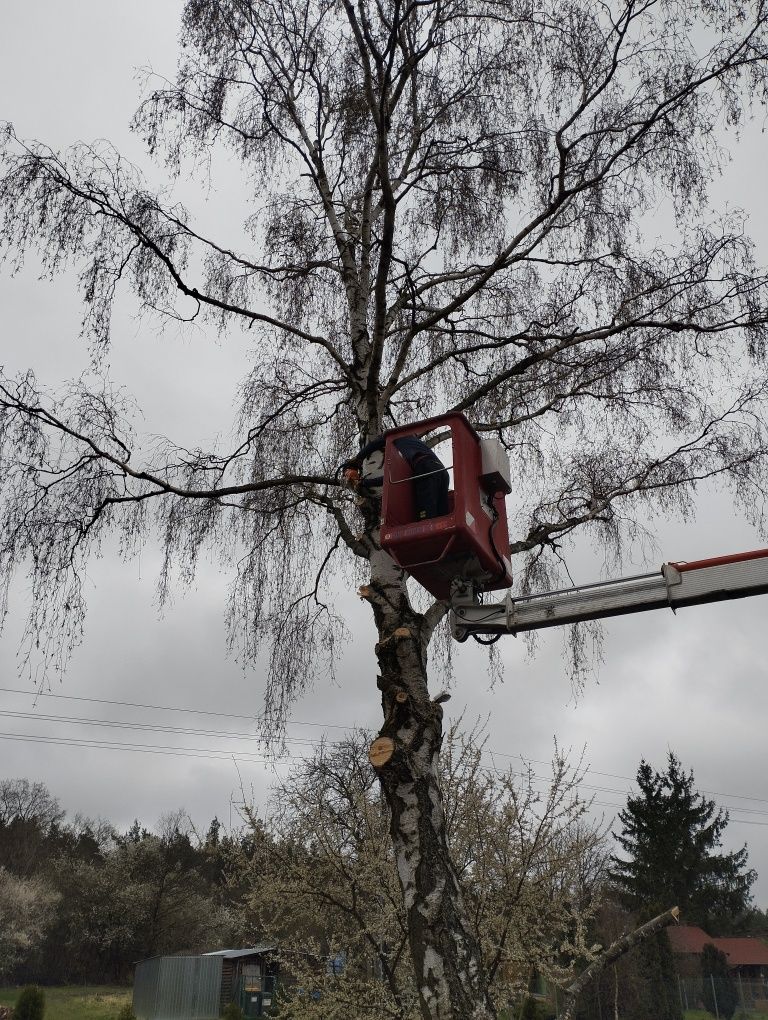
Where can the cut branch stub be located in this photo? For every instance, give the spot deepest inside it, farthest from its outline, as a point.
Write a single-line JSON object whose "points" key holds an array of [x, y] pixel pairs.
{"points": [[398, 634], [381, 751]]}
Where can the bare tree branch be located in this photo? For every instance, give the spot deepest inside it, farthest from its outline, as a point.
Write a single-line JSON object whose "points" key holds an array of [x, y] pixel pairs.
{"points": [[617, 949]]}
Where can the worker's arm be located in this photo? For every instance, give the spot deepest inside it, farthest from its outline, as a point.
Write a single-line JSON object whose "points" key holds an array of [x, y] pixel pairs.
{"points": [[365, 451], [351, 467]]}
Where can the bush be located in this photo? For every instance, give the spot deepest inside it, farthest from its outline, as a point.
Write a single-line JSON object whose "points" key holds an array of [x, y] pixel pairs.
{"points": [[30, 1004], [534, 1010], [720, 994], [233, 1012], [529, 1010], [126, 1012]]}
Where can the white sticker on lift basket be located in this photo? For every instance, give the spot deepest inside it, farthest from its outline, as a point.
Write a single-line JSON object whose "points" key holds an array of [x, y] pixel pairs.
{"points": [[470, 519]]}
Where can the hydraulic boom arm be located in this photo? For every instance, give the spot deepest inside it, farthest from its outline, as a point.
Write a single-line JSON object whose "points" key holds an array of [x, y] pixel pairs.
{"points": [[674, 586]]}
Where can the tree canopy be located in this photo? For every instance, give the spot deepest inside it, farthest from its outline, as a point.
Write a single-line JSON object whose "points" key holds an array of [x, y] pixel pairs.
{"points": [[82, 902], [451, 209]]}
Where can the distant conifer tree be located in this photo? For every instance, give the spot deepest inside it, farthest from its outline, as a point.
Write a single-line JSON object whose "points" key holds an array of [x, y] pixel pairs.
{"points": [[669, 838]]}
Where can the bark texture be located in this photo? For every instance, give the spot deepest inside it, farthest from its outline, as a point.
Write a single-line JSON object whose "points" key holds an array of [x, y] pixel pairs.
{"points": [[446, 956]]}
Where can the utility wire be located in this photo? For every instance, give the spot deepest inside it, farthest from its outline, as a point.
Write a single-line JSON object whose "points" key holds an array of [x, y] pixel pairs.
{"points": [[255, 758], [169, 749], [153, 727], [230, 735], [161, 708], [251, 718], [260, 758]]}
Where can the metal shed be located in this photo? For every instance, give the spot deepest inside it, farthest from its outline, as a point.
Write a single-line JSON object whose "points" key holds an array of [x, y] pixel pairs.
{"points": [[199, 987], [248, 978]]}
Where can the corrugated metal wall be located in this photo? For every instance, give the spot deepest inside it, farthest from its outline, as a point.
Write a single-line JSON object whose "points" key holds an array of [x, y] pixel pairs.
{"points": [[178, 988]]}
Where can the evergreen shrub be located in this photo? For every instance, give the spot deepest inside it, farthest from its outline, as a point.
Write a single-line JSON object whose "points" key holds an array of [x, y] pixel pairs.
{"points": [[720, 994], [232, 1012], [30, 1004], [533, 1010]]}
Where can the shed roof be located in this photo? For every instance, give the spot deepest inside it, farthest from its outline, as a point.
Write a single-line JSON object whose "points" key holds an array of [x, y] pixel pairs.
{"points": [[234, 954]]}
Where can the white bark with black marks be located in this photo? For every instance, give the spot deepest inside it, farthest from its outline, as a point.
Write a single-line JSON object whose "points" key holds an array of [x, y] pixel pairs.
{"points": [[446, 957]]}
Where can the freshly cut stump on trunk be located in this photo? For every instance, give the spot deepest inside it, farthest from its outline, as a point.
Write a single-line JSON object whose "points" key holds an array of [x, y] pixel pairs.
{"points": [[380, 751]]}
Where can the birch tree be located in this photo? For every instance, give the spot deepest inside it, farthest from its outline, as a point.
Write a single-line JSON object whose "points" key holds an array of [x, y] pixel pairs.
{"points": [[450, 209]]}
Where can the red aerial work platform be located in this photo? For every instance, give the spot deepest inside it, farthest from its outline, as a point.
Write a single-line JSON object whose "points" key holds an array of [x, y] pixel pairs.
{"points": [[471, 541], [459, 554]]}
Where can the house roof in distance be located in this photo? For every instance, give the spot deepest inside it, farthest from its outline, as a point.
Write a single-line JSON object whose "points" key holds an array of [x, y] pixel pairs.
{"points": [[235, 954], [744, 952], [741, 952], [687, 938]]}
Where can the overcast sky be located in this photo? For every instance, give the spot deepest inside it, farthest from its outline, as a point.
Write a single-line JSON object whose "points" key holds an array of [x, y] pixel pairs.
{"points": [[694, 683]]}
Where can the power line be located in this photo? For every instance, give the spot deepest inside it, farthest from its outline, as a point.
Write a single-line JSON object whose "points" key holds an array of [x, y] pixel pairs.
{"points": [[161, 708], [243, 757], [116, 723], [629, 779], [167, 749], [228, 734]]}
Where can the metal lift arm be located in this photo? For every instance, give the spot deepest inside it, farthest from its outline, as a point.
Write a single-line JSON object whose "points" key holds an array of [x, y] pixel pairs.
{"points": [[674, 586]]}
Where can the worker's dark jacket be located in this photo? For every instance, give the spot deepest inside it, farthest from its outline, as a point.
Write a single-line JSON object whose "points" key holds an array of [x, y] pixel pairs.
{"points": [[430, 477]]}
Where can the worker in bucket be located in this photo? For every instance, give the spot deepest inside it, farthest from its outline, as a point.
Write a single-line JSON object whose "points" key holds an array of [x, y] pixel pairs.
{"points": [[430, 476]]}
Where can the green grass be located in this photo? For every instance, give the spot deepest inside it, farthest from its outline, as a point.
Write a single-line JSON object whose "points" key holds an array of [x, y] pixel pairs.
{"points": [[701, 1014], [77, 1003]]}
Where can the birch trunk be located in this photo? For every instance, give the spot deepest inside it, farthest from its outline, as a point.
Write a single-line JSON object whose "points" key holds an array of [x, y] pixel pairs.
{"points": [[446, 956]]}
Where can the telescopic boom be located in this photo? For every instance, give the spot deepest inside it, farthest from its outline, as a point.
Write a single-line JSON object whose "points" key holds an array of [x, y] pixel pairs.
{"points": [[674, 586]]}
